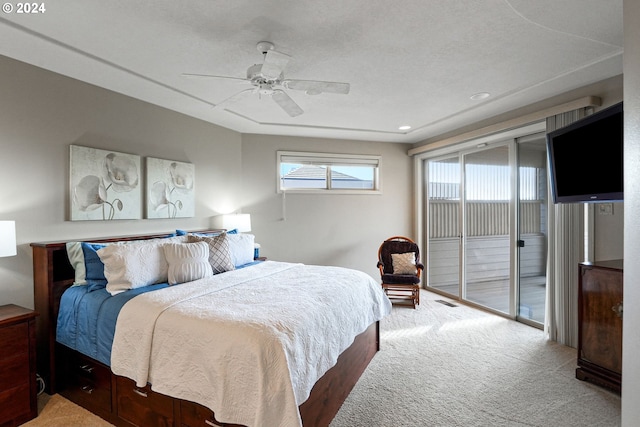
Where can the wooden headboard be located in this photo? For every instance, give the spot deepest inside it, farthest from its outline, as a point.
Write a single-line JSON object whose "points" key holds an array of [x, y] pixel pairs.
{"points": [[52, 275]]}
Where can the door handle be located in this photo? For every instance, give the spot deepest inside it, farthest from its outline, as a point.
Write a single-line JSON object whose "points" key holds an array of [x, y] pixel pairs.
{"points": [[521, 243], [140, 392], [617, 309], [87, 368]]}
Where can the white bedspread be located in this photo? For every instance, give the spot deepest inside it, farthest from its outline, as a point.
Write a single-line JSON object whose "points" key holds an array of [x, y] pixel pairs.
{"points": [[249, 344]]}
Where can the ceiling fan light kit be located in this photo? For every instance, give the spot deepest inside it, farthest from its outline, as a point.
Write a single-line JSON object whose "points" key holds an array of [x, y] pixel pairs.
{"points": [[268, 79]]}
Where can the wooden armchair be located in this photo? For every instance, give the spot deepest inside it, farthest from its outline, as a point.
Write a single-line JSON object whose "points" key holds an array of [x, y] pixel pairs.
{"points": [[400, 270]]}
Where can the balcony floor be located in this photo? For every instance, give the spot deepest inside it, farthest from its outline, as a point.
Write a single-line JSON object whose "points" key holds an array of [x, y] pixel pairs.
{"points": [[494, 294]]}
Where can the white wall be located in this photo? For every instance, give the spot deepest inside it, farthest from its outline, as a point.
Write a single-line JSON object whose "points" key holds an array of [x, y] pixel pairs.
{"points": [[631, 320], [42, 113], [332, 229]]}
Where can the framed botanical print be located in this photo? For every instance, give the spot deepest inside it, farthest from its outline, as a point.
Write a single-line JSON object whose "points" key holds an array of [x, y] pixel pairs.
{"points": [[170, 189], [104, 185]]}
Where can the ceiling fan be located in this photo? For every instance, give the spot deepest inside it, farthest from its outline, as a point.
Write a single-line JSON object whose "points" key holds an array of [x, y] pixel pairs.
{"points": [[268, 78]]}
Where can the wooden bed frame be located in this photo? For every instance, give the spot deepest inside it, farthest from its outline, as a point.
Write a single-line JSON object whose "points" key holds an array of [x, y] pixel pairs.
{"points": [[116, 399]]}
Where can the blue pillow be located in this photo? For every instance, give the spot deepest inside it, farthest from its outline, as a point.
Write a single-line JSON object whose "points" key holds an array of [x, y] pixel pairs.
{"points": [[94, 266]]}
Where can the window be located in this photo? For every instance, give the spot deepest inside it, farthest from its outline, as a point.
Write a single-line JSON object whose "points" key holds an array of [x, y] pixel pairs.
{"points": [[322, 172], [485, 182]]}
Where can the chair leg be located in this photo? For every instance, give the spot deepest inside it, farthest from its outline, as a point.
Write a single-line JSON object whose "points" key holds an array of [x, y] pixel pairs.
{"points": [[407, 293]]}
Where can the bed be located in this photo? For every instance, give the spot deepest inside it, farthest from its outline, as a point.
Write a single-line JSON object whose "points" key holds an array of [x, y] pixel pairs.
{"points": [[135, 369]]}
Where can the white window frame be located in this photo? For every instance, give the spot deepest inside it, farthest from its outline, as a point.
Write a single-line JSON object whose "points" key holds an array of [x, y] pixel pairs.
{"points": [[328, 160]]}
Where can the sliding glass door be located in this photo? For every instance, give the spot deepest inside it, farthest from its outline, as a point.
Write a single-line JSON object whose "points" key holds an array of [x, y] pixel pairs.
{"points": [[487, 243], [484, 226], [532, 228], [444, 234]]}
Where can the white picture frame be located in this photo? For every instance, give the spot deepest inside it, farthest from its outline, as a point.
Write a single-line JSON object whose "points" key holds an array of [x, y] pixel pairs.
{"points": [[104, 185], [170, 191]]}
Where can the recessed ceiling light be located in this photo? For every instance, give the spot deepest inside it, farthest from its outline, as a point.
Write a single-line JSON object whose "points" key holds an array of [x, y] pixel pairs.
{"points": [[404, 127], [480, 95]]}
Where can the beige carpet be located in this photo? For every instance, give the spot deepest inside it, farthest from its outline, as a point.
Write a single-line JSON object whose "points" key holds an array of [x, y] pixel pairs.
{"points": [[457, 366], [56, 411], [448, 366]]}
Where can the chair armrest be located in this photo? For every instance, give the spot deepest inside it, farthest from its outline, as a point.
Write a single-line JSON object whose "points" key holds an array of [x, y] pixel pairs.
{"points": [[420, 266]]}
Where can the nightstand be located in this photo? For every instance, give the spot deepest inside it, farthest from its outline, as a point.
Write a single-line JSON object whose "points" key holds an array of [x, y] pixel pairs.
{"points": [[18, 387]]}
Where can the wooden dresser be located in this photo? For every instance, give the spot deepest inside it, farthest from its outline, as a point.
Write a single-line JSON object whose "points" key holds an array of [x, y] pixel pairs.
{"points": [[18, 387], [600, 323]]}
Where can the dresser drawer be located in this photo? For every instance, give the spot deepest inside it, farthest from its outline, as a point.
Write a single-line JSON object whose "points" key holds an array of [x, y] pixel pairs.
{"points": [[18, 403], [15, 340], [15, 403], [141, 406], [14, 371]]}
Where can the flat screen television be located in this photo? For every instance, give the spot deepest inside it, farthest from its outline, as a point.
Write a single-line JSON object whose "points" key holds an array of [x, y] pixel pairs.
{"points": [[585, 159]]}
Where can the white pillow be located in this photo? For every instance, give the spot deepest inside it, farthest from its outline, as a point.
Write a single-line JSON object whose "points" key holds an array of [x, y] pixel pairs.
{"points": [[404, 263], [241, 247], [187, 261], [136, 264], [76, 259]]}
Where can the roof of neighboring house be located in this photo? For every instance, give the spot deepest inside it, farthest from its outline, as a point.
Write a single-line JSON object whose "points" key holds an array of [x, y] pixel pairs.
{"points": [[317, 172]]}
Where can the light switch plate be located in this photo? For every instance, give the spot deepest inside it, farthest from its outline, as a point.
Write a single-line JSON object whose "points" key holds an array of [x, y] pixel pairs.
{"points": [[605, 208]]}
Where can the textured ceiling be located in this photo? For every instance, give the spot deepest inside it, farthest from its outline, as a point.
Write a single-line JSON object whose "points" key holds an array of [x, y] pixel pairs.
{"points": [[409, 62]]}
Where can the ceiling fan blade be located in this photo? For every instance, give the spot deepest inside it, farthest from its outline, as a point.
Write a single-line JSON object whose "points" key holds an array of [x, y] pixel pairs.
{"points": [[211, 76], [274, 63], [313, 87], [233, 98], [286, 103]]}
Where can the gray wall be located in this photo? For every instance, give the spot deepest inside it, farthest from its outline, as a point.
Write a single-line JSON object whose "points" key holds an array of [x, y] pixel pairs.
{"points": [[42, 113], [331, 229], [609, 233]]}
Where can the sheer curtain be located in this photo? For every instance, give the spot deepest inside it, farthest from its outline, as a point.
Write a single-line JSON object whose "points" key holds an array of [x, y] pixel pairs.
{"points": [[564, 252]]}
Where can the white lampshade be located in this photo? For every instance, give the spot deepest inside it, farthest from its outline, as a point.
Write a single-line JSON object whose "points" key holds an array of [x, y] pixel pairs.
{"points": [[241, 222], [7, 238]]}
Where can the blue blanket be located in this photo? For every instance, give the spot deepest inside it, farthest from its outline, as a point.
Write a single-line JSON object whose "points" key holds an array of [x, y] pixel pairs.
{"points": [[87, 320]]}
